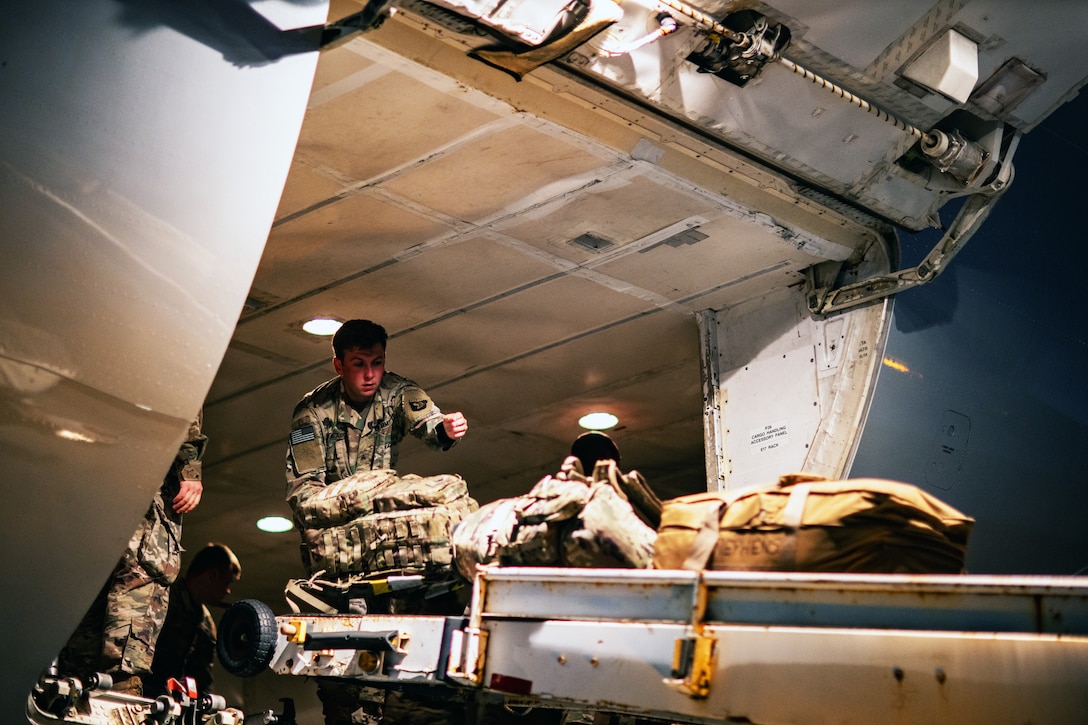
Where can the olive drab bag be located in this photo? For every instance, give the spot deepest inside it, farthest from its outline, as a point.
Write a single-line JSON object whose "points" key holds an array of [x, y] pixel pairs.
{"points": [[378, 522], [569, 519], [347, 499], [807, 523]]}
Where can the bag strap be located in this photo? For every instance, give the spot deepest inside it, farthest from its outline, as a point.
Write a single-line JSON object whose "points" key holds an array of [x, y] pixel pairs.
{"points": [[792, 516], [300, 592], [571, 470], [632, 488], [706, 538], [794, 511]]}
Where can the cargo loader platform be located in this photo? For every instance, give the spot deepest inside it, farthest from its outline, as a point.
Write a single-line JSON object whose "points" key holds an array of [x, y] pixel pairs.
{"points": [[715, 647]]}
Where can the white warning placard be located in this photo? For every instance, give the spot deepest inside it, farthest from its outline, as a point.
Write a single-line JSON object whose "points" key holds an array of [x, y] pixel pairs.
{"points": [[769, 438]]}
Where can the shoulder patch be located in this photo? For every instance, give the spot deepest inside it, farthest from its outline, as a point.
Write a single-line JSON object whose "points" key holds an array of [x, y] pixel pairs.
{"points": [[306, 450], [302, 435], [418, 406]]}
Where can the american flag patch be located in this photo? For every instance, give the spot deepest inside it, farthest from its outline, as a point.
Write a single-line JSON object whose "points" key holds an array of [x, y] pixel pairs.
{"points": [[302, 435]]}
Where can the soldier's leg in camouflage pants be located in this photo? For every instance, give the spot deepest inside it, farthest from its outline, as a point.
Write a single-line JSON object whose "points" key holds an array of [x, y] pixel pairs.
{"points": [[118, 633], [135, 611], [137, 601]]}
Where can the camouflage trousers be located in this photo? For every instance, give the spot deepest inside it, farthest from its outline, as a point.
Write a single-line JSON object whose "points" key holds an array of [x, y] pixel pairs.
{"points": [[118, 632]]}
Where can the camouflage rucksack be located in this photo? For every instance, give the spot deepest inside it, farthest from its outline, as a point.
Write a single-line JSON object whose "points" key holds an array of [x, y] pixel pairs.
{"points": [[377, 522], [347, 499], [565, 520]]}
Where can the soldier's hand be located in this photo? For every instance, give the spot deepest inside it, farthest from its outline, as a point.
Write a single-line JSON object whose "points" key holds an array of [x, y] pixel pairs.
{"points": [[455, 425], [188, 497]]}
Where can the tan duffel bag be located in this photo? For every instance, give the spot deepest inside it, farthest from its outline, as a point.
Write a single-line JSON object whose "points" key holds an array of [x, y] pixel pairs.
{"points": [[807, 523]]}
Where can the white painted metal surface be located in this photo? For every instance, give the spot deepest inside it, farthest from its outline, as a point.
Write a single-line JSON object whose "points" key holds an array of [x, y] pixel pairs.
{"points": [[142, 156], [1024, 604], [764, 647], [419, 644], [796, 675], [791, 648], [793, 388]]}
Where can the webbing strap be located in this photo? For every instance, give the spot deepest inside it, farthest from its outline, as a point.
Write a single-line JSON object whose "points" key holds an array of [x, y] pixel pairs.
{"points": [[795, 505], [792, 515], [706, 538], [295, 594]]}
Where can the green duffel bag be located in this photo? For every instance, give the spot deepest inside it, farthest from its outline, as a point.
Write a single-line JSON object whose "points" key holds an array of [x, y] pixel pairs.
{"points": [[807, 523], [405, 525], [408, 541]]}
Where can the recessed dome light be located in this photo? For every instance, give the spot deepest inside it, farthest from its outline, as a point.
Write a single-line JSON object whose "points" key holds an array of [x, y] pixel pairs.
{"points": [[323, 326], [274, 524], [598, 421]]}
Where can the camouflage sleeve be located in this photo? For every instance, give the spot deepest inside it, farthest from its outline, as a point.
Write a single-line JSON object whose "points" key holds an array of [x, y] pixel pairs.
{"points": [[187, 462], [422, 417], [305, 455]]}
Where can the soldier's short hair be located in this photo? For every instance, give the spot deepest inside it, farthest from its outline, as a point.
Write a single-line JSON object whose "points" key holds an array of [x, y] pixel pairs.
{"points": [[358, 333], [218, 557]]}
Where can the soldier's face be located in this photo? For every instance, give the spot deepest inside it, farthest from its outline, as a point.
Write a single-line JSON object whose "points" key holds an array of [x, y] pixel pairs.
{"points": [[362, 370], [220, 587]]}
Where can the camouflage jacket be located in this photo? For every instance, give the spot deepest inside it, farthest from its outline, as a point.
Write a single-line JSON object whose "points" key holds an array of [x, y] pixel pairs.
{"points": [[331, 440], [187, 464]]}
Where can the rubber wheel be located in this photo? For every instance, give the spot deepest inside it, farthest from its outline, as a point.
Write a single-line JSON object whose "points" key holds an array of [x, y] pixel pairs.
{"points": [[247, 638]]}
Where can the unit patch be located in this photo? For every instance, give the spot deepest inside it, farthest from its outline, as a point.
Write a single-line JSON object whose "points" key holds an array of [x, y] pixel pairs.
{"points": [[418, 404]]}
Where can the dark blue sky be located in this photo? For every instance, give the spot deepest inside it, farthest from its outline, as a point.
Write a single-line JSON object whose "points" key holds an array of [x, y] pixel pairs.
{"points": [[1036, 234], [992, 413]]}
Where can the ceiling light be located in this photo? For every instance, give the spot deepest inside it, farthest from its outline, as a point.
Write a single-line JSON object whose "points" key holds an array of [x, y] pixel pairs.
{"points": [[598, 421], [323, 326], [274, 524]]}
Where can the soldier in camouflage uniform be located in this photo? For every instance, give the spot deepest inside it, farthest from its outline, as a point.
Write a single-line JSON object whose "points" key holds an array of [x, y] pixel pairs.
{"points": [[355, 422], [117, 634], [186, 644]]}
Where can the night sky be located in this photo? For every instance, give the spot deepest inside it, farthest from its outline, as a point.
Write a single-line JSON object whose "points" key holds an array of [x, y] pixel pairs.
{"points": [[1037, 228], [991, 413]]}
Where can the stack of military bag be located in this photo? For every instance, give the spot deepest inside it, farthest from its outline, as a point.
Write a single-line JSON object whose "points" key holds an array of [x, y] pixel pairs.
{"points": [[807, 523], [606, 519], [377, 522]]}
